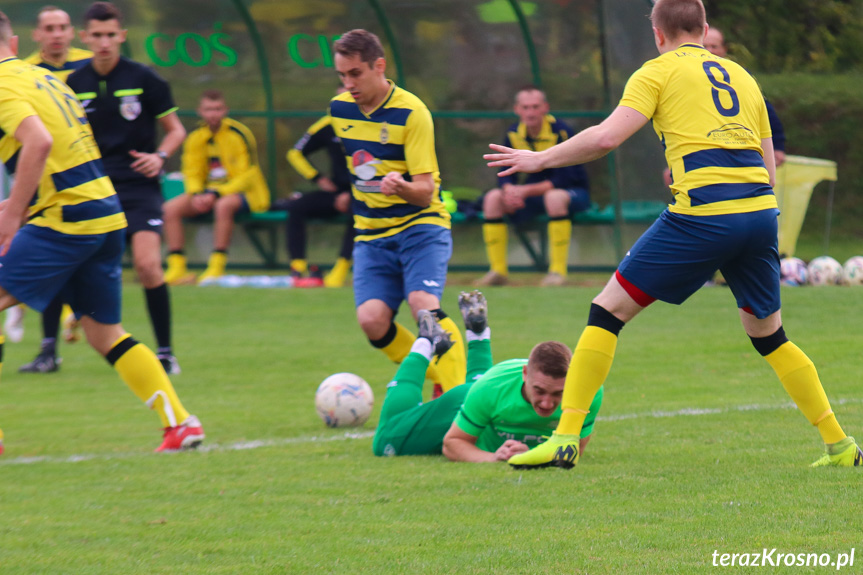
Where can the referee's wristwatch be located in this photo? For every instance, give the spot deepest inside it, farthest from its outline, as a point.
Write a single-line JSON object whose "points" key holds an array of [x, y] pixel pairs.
{"points": [[162, 155]]}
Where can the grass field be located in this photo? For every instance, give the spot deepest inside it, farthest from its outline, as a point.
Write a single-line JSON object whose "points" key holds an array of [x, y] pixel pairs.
{"points": [[697, 450]]}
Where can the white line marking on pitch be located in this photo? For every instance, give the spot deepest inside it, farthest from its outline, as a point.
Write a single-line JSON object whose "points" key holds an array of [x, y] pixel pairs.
{"points": [[256, 444]]}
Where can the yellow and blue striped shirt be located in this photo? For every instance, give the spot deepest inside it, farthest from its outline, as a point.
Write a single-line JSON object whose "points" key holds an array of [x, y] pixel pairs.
{"points": [[710, 115], [74, 196], [397, 136], [76, 59]]}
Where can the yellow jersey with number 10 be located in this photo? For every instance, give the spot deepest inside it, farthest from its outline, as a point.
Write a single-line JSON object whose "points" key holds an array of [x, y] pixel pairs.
{"points": [[74, 196], [710, 116]]}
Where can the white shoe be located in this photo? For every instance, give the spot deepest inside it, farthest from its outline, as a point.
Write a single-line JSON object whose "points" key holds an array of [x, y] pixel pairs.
{"points": [[13, 327]]}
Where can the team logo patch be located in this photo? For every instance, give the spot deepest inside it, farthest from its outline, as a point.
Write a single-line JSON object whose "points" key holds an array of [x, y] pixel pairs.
{"points": [[365, 164], [385, 133], [130, 107]]}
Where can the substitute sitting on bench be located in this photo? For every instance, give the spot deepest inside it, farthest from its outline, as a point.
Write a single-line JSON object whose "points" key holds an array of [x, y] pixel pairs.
{"points": [[221, 175], [558, 192]]}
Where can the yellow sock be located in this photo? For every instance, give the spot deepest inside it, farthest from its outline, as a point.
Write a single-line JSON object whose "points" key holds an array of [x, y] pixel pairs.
{"points": [[176, 268], [495, 237], [339, 274], [800, 379], [142, 372], [400, 346], [67, 311], [559, 236], [590, 364], [451, 367], [299, 266]]}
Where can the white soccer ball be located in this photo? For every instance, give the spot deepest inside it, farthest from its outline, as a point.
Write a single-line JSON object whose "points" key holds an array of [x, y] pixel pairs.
{"points": [[852, 271], [824, 271], [793, 272], [344, 400]]}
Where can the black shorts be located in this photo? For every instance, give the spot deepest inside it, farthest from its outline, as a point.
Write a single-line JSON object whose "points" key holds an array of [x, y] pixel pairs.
{"points": [[142, 203]]}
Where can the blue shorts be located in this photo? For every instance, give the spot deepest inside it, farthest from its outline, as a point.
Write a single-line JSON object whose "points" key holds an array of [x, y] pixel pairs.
{"points": [[85, 270], [390, 268], [679, 253], [579, 200]]}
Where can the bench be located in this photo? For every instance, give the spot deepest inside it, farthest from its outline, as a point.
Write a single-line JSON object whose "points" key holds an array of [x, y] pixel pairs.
{"points": [[533, 235], [262, 228]]}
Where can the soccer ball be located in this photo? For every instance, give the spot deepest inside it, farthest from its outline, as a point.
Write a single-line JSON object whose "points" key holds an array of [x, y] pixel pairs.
{"points": [[793, 271], [824, 271], [852, 271], [344, 400]]}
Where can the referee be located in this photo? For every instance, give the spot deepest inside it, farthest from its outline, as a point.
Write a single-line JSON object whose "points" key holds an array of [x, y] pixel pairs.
{"points": [[124, 101]]}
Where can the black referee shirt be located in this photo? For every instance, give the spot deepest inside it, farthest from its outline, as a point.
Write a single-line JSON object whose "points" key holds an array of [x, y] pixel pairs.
{"points": [[123, 108]]}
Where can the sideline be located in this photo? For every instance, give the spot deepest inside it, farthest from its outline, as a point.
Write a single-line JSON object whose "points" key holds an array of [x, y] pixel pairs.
{"points": [[257, 444]]}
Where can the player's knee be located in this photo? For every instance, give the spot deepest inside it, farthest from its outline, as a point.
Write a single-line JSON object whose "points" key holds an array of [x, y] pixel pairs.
{"points": [[492, 201], [149, 271], [225, 209], [556, 203], [418, 300], [373, 324]]}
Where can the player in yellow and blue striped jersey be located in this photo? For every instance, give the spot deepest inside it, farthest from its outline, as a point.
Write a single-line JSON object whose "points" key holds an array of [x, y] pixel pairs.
{"points": [[710, 116], [403, 241], [73, 239]]}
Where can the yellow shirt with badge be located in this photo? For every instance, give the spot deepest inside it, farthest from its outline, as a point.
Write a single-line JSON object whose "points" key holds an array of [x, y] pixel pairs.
{"points": [[397, 136], [710, 115], [225, 161], [74, 196]]}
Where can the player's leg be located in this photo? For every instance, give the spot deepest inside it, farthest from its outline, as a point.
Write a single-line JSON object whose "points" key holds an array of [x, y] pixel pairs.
{"points": [[474, 311], [407, 426], [494, 234], [800, 380], [339, 274], [665, 261], [588, 369], [175, 210], [7, 301], [556, 204], [94, 291], [754, 279], [377, 295], [146, 255], [13, 325], [424, 253], [47, 361], [224, 211], [300, 209], [71, 325]]}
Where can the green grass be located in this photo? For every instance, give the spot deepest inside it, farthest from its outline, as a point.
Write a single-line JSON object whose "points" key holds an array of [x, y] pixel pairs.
{"points": [[657, 491]]}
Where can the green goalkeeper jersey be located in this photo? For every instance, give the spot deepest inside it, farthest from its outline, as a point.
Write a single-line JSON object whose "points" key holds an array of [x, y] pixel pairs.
{"points": [[495, 410]]}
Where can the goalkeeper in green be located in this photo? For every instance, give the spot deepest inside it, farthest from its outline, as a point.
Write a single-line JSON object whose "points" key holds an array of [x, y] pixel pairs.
{"points": [[501, 410]]}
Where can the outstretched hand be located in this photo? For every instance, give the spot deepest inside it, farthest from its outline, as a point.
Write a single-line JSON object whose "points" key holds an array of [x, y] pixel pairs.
{"points": [[514, 160]]}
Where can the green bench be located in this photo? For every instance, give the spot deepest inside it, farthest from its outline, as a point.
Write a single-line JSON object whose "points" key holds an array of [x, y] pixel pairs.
{"points": [[533, 235], [262, 228]]}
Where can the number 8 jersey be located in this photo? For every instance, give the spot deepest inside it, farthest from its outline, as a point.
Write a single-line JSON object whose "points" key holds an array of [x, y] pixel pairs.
{"points": [[710, 116], [75, 195]]}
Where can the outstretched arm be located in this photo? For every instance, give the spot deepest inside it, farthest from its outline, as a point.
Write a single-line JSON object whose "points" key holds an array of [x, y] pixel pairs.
{"points": [[587, 145]]}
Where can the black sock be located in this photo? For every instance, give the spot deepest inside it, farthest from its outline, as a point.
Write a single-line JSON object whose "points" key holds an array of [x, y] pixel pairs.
{"points": [[159, 306]]}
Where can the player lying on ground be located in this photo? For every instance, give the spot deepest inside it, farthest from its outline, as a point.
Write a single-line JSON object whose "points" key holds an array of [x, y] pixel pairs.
{"points": [[711, 118], [500, 411]]}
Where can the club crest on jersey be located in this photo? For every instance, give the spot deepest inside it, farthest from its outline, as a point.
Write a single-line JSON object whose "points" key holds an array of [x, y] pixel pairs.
{"points": [[130, 107], [385, 133], [364, 164]]}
